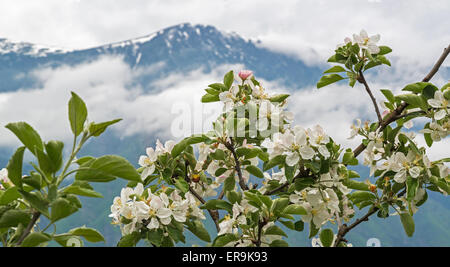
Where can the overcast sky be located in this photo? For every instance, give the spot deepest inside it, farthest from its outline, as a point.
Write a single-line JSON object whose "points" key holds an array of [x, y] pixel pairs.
{"points": [[416, 30]]}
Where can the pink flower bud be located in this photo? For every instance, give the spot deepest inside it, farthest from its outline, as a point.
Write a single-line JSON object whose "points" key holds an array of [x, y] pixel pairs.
{"points": [[244, 74], [385, 113]]}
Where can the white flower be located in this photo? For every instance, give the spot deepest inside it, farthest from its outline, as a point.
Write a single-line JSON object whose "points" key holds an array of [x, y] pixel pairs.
{"points": [[317, 136], [229, 97], [436, 131], [366, 42], [166, 148], [148, 162], [402, 165], [440, 102], [355, 129], [296, 145], [4, 176]]}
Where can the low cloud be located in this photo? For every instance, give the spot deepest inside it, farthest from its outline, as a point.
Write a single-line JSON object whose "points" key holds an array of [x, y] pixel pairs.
{"points": [[107, 87]]}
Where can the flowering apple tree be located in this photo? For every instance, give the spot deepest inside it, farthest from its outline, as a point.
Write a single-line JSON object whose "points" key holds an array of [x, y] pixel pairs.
{"points": [[256, 173]]}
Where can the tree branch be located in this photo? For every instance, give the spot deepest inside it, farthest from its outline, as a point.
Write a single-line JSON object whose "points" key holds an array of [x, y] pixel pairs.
{"points": [[237, 165], [30, 226], [344, 229], [394, 115], [362, 80], [213, 213]]}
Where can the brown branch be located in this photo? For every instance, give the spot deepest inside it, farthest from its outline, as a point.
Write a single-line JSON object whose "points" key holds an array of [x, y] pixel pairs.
{"points": [[396, 113], [362, 80], [261, 224], [237, 165], [344, 229], [391, 117], [30, 226], [213, 213]]}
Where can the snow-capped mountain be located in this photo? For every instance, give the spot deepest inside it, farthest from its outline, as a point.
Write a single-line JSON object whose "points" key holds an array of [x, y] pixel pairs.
{"points": [[179, 48]]}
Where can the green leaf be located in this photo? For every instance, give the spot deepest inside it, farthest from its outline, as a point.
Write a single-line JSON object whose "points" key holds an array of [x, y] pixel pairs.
{"points": [[277, 160], [207, 98], [275, 230], [178, 148], [63, 240], [384, 50], [329, 79], [27, 135], [313, 230], [356, 185], [214, 204], [229, 184], [15, 167], [54, 151], [411, 188], [228, 79], [360, 196], [96, 129], [408, 223], [413, 100], [384, 60], [129, 240], [212, 91], [45, 164], [278, 205], [197, 228], [35, 239], [77, 114], [86, 192], [326, 237], [90, 234], [109, 166], [278, 98], [349, 158], [182, 185], [335, 69], [218, 86], [61, 208], [254, 171], [12, 218], [9, 195], [36, 201], [222, 240], [371, 64], [295, 209], [389, 95], [279, 243]]}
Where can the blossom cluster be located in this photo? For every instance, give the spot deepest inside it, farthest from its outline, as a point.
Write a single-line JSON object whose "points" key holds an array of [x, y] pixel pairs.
{"points": [[137, 207]]}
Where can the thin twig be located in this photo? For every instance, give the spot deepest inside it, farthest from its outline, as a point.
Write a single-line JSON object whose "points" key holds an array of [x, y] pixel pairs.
{"points": [[362, 80], [344, 229], [237, 164], [393, 116], [213, 213], [30, 226]]}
